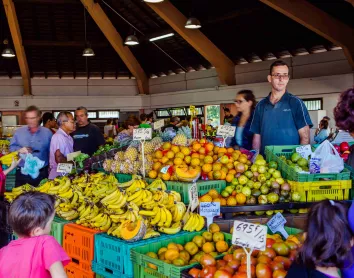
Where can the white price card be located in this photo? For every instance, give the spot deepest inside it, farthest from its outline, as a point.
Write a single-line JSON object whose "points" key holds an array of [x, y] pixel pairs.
{"points": [[71, 156], [165, 169], [276, 224], [209, 210], [226, 131], [142, 134], [249, 235], [159, 124], [305, 151], [193, 196], [64, 168]]}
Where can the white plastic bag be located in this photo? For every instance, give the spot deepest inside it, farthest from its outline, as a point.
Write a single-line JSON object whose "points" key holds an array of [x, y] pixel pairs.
{"points": [[325, 159]]}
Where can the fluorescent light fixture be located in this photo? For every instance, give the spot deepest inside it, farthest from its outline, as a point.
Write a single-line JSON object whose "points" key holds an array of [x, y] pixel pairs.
{"points": [[162, 37], [153, 1], [8, 53]]}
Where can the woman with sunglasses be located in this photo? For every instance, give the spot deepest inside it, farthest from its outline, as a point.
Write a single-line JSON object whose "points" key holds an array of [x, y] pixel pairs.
{"points": [[245, 104]]}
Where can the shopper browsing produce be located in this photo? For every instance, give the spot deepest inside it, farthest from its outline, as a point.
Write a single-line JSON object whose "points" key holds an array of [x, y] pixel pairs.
{"points": [[326, 249], [62, 143], [87, 137], [49, 121], [144, 121], [245, 103], [127, 134], [281, 118], [3, 174], [36, 253], [228, 116], [172, 125], [322, 133], [34, 139], [109, 129]]}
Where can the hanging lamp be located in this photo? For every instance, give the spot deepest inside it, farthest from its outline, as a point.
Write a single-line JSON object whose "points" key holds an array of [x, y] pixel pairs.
{"points": [[88, 51], [193, 23], [8, 51], [131, 40]]}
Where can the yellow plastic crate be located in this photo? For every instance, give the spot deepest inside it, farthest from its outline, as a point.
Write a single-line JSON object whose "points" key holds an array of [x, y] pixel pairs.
{"points": [[322, 190]]}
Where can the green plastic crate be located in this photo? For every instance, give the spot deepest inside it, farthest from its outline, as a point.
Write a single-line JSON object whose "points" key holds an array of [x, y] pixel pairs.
{"points": [[164, 270], [10, 179], [123, 177], [183, 187], [351, 193], [112, 255], [273, 153]]}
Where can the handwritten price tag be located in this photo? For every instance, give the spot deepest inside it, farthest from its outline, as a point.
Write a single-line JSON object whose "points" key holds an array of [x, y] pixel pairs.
{"points": [[249, 235], [159, 124], [276, 224], [142, 134], [226, 131], [64, 168], [193, 197], [304, 151], [209, 210]]}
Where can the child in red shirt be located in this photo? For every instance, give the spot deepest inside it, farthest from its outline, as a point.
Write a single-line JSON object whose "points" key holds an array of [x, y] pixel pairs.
{"points": [[35, 254], [3, 174]]}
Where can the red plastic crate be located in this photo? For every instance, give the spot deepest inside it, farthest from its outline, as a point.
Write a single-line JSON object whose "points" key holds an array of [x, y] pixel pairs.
{"points": [[79, 244], [74, 272]]}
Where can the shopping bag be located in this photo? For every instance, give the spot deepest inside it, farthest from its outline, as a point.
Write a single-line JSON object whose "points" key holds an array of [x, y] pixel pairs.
{"points": [[325, 159]]}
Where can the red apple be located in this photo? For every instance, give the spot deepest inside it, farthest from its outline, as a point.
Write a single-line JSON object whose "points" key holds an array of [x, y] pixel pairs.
{"points": [[337, 148], [344, 146]]}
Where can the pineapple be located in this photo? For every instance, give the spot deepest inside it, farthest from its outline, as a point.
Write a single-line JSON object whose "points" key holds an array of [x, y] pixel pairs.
{"points": [[107, 164], [180, 140], [157, 142], [131, 154], [126, 167], [115, 168], [148, 148], [119, 156]]}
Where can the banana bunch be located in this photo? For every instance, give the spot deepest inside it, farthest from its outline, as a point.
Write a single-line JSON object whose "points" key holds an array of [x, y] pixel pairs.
{"points": [[80, 180], [141, 196], [44, 188], [115, 201], [150, 233], [16, 191], [7, 159], [195, 222], [101, 222], [178, 211], [174, 229], [87, 211], [136, 185], [116, 228], [157, 184], [131, 214], [103, 189]]}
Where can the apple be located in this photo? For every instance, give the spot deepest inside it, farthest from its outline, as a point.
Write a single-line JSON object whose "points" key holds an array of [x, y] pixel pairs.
{"points": [[337, 148], [344, 146]]}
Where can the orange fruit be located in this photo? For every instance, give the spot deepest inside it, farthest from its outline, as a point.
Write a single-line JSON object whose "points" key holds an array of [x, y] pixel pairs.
{"points": [[185, 150], [221, 246], [158, 154], [164, 159], [170, 154], [210, 175], [216, 149], [208, 159], [201, 156], [232, 171], [202, 150], [243, 159], [175, 149], [152, 174], [195, 155], [208, 247], [179, 155], [222, 150], [172, 245], [171, 254], [207, 168], [187, 159], [170, 162], [217, 175], [166, 177], [209, 147], [206, 198], [156, 166], [217, 200], [202, 141], [166, 146], [230, 165], [217, 166], [215, 157], [223, 202], [224, 169], [231, 201], [241, 198], [195, 161], [213, 193], [214, 228], [235, 155], [230, 150], [229, 177], [223, 175], [196, 146], [177, 161]]}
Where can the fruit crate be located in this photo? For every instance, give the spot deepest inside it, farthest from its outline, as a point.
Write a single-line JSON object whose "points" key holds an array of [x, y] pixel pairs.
{"points": [[58, 228], [289, 230], [164, 270], [346, 166], [112, 255], [183, 187], [74, 272], [78, 242], [10, 179], [12, 173], [123, 177], [4, 219], [273, 153], [322, 190]]}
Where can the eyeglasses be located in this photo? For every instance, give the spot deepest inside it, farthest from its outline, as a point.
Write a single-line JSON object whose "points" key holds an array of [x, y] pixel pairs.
{"points": [[72, 122], [281, 76], [239, 101], [32, 118]]}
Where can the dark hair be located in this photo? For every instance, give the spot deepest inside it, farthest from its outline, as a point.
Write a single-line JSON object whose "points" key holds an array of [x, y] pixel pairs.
{"points": [[324, 123], [175, 119], [344, 111], [326, 118], [109, 121], [82, 108], [150, 116], [47, 116], [29, 211], [328, 239], [131, 121], [249, 96], [226, 110], [33, 108], [277, 64], [143, 117]]}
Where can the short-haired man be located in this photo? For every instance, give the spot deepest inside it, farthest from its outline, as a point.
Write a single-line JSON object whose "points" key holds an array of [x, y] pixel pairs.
{"points": [[172, 125], [34, 139], [62, 143], [49, 121], [87, 137], [281, 118]]}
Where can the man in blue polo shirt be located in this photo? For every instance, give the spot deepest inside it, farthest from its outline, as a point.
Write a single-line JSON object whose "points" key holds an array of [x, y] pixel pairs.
{"points": [[281, 118]]}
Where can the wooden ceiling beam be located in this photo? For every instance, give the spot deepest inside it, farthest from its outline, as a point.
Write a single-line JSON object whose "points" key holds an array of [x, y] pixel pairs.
{"points": [[17, 41], [319, 22], [117, 43], [223, 65], [351, 2], [43, 43]]}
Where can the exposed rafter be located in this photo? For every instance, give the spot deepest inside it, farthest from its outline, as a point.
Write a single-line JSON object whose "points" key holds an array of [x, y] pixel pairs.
{"points": [[117, 43], [17, 41], [351, 2], [319, 22], [224, 66]]}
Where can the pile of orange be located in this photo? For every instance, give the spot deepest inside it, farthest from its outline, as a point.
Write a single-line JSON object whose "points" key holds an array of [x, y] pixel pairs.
{"points": [[233, 200], [215, 163]]}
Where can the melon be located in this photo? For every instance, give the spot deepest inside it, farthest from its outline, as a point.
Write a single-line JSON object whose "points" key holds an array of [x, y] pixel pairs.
{"points": [[133, 230], [186, 174]]}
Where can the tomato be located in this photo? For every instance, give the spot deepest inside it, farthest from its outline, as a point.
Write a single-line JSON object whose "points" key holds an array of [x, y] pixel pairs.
{"points": [[234, 264], [239, 254], [243, 268], [263, 271], [194, 272], [264, 259], [253, 261], [220, 263], [207, 259], [228, 268], [270, 242], [228, 257], [269, 252], [222, 274], [207, 272], [280, 273], [240, 275], [276, 265], [286, 262], [344, 146]]}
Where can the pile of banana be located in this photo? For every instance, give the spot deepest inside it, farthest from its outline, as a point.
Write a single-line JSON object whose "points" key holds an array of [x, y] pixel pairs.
{"points": [[11, 196], [194, 222], [7, 159]]}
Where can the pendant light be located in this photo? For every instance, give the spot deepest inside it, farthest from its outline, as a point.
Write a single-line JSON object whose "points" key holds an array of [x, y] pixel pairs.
{"points": [[153, 1], [88, 51], [8, 52], [131, 40], [192, 23]]}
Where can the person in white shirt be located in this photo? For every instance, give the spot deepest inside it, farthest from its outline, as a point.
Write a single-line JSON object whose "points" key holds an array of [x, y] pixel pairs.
{"points": [[110, 129]]}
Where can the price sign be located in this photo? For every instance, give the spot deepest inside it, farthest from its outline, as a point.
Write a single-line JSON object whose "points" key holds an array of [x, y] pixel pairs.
{"points": [[64, 168], [159, 124], [249, 235], [142, 134], [305, 151], [226, 131], [71, 156], [276, 224], [193, 197], [209, 210], [165, 169]]}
